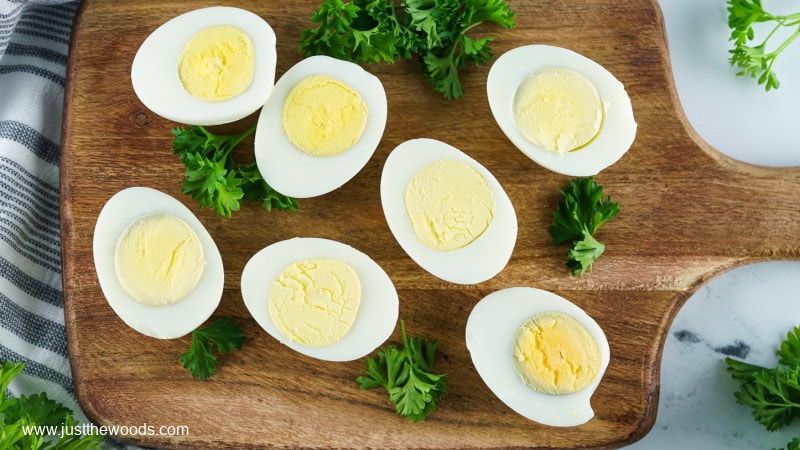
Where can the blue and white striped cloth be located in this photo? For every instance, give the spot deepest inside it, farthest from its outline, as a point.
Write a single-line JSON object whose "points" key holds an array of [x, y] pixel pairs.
{"points": [[34, 42]]}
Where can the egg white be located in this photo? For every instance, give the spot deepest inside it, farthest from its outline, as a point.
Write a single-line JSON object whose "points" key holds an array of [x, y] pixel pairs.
{"points": [[295, 173], [619, 126], [479, 261], [490, 332], [154, 72], [377, 314], [163, 322]]}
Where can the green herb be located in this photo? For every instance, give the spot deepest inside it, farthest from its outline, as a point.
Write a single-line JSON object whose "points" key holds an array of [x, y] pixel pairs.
{"points": [[215, 181], [407, 374], [359, 31], [756, 60], [793, 445], [435, 30], [37, 422], [772, 393], [579, 214], [224, 334]]}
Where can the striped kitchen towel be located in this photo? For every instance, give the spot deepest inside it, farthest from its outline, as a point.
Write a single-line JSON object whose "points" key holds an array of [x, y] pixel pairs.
{"points": [[34, 43]]}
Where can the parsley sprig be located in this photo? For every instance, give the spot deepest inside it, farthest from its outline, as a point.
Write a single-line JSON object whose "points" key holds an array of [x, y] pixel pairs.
{"points": [[407, 374], [793, 445], [359, 31], [754, 59], [772, 393], [19, 415], [213, 178], [372, 31], [577, 217], [222, 334]]}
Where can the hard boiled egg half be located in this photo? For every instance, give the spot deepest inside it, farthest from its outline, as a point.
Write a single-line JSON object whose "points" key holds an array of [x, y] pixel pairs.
{"points": [[447, 211], [208, 66], [320, 297], [157, 266], [563, 110], [496, 327], [320, 126]]}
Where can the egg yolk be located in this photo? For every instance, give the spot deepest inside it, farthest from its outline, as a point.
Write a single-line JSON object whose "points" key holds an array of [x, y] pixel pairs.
{"points": [[324, 116], [553, 353], [315, 302], [450, 204], [217, 63], [558, 109], [159, 259]]}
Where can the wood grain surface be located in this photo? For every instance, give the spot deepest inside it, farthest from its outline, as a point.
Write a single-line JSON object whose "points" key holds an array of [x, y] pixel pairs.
{"points": [[687, 214]]}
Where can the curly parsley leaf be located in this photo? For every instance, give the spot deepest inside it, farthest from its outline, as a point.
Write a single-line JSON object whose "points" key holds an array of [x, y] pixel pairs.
{"points": [[583, 253], [789, 351], [793, 445], [372, 31], [20, 416], [577, 217], [773, 394], [407, 375], [358, 31], [255, 188], [39, 409], [754, 59], [214, 180], [222, 334], [448, 46], [334, 34]]}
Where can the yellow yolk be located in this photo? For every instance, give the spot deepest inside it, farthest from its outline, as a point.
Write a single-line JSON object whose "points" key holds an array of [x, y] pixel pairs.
{"points": [[554, 353], [323, 116], [217, 63], [450, 204], [159, 259], [315, 302], [558, 109]]}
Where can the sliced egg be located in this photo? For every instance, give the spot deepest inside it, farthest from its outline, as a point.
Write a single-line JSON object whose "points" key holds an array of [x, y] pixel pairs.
{"points": [[297, 173], [595, 151], [490, 336], [479, 260], [377, 313], [155, 69], [165, 321]]}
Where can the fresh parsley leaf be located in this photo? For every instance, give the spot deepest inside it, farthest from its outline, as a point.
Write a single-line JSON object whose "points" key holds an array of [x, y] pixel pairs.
{"points": [[359, 31], [741, 370], [77, 441], [793, 445], [443, 26], [583, 253], [407, 375], [577, 217], [8, 371], [214, 180], [494, 11], [754, 59], [442, 72], [774, 396], [789, 352], [334, 35], [222, 334], [18, 414], [255, 188], [39, 410], [772, 393], [372, 31]]}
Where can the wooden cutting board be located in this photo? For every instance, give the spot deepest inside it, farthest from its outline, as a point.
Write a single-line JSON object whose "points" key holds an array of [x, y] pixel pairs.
{"points": [[688, 213]]}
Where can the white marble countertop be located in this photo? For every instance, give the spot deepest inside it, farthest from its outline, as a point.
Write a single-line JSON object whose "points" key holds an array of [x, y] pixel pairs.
{"points": [[747, 312]]}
